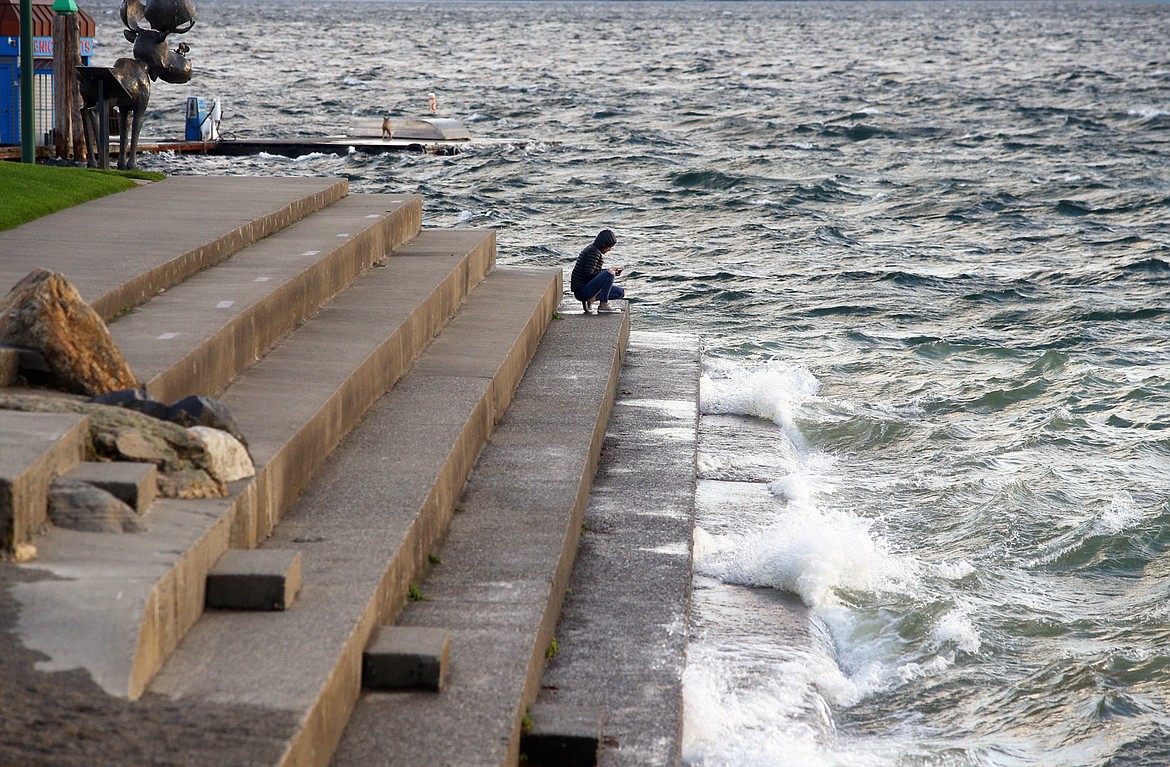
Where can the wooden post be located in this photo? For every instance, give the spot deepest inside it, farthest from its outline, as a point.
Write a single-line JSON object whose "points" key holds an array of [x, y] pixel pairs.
{"points": [[78, 128], [68, 139], [62, 75]]}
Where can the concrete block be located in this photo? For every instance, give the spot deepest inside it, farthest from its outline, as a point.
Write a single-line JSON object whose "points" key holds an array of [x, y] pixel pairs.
{"points": [[562, 736], [405, 658], [255, 579], [34, 448], [135, 484]]}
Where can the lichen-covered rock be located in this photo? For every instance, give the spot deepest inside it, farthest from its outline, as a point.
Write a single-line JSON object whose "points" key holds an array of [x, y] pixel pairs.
{"points": [[81, 506], [132, 445], [44, 312], [228, 459], [118, 434], [190, 483]]}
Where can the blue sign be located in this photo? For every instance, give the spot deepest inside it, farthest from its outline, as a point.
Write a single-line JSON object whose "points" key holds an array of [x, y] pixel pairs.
{"points": [[42, 47]]}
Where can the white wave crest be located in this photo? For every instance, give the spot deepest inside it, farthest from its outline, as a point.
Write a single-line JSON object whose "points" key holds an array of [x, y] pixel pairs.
{"points": [[1147, 113], [727, 725], [953, 571], [808, 552], [956, 629], [770, 390], [802, 547], [1121, 514]]}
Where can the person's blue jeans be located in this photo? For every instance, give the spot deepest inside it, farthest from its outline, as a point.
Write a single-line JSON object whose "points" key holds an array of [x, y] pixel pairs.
{"points": [[601, 288]]}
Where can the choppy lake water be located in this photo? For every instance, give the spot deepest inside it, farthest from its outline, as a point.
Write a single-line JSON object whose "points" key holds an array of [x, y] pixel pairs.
{"points": [[926, 247]]}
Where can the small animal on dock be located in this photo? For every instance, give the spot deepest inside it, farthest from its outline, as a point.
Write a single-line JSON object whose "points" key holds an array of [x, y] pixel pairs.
{"points": [[386, 132]]}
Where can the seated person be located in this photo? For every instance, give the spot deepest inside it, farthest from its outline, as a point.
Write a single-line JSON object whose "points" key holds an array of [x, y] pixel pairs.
{"points": [[591, 281]]}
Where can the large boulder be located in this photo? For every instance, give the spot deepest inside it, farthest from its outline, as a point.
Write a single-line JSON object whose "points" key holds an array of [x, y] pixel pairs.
{"points": [[44, 312]]}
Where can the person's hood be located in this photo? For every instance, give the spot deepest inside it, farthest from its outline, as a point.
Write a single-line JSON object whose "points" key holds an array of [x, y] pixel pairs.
{"points": [[605, 239]]}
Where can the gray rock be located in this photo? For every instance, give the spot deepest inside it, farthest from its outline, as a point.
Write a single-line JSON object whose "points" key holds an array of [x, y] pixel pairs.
{"points": [[81, 506], [197, 410]]}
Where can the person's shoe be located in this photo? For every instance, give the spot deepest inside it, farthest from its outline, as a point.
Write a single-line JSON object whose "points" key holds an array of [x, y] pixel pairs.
{"points": [[608, 310]]}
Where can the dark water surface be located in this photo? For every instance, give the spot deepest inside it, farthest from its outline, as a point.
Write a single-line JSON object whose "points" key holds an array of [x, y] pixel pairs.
{"points": [[927, 248]]}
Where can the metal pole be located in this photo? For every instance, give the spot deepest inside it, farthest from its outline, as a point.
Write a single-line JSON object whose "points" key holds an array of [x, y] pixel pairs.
{"points": [[28, 152]]}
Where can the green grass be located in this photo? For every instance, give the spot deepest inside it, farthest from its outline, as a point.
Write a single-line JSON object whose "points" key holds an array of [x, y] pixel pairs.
{"points": [[31, 191]]}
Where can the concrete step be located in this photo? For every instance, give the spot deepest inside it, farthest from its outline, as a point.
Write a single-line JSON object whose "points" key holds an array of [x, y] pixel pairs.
{"points": [[366, 525], [141, 593], [121, 250], [297, 405], [505, 563], [619, 655], [255, 579], [196, 337], [34, 449]]}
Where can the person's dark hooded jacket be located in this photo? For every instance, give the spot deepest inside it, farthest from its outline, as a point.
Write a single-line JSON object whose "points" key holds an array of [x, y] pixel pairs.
{"points": [[590, 261]]}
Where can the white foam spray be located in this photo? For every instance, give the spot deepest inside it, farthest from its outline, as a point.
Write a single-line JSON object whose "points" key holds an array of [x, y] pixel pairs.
{"points": [[1119, 515], [808, 547], [769, 390], [805, 543]]}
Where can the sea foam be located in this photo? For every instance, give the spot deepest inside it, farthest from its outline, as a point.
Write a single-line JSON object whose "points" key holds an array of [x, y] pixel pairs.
{"points": [[807, 551], [805, 547], [1121, 514], [956, 629], [770, 390], [729, 725]]}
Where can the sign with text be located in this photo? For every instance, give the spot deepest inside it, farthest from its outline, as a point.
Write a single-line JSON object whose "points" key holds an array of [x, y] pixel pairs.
{"points": [[43, 47]]}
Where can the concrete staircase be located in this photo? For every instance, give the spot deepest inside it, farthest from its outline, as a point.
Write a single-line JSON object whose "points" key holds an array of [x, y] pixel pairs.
{"points": [[369, 362]]}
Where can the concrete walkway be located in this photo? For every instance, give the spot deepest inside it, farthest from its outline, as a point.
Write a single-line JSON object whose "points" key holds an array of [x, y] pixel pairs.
{"points": [[123, 249], [622, 636]]}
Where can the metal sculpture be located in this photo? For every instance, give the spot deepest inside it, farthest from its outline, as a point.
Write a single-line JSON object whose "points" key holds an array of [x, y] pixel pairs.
{"points": [[152, 61]]}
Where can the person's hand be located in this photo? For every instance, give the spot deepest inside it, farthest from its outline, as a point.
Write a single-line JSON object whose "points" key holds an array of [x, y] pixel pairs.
{"points": [[615, 271]]}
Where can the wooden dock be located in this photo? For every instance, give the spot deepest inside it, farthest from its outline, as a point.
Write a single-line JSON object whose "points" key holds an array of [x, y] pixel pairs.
{"points": [[338, 145], [287, 147], [424, 135]]}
